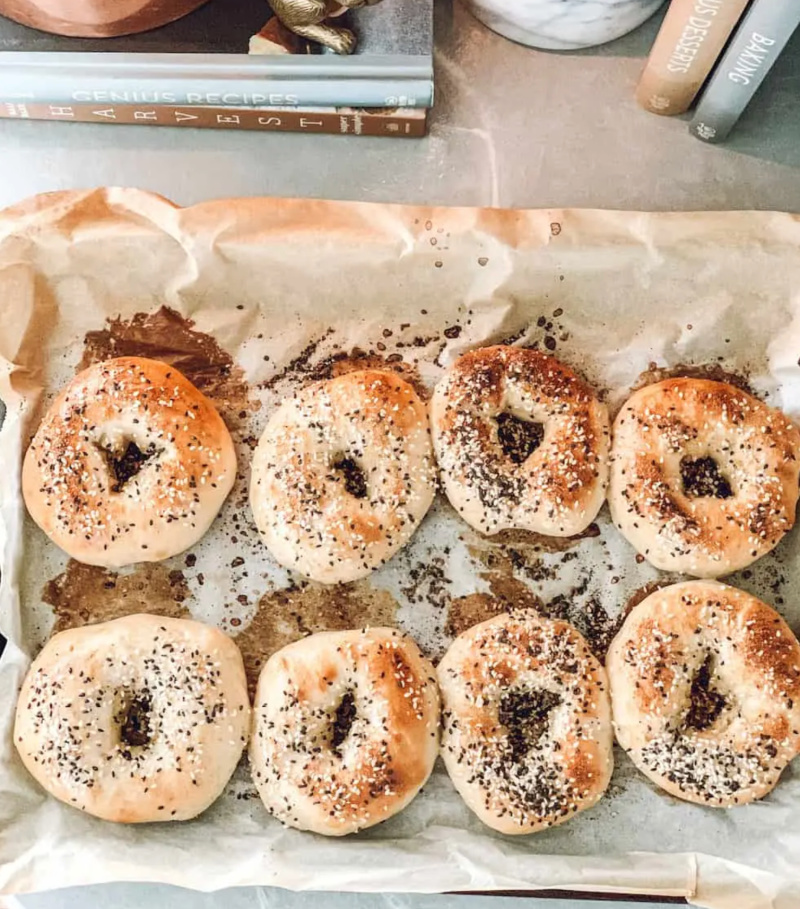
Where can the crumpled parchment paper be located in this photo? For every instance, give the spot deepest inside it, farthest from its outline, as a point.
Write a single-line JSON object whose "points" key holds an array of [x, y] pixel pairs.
{"points": [[252, 297]]}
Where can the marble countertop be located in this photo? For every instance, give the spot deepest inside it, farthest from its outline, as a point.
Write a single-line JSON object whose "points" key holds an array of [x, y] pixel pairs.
{"points": [[512, 127]]}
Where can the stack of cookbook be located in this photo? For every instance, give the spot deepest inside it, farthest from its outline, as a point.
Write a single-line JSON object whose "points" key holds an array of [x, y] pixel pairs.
{"points": [[228, 65]]}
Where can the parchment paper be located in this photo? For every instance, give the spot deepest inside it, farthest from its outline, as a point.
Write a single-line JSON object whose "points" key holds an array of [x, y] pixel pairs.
{"points": [[263, 294]]}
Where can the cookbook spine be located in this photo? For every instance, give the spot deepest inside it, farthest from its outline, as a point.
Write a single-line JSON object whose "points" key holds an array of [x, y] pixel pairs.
{"points": [[411, 123], [208, 81], [764, 33], [689, 43]]}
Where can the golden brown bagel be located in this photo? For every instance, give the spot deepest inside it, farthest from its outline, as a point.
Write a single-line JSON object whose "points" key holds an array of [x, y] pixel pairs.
{"points": [[705, 690], [526, 722], [131, 463], [704, 477], [346, 729], [343, 475], [522, 442]]}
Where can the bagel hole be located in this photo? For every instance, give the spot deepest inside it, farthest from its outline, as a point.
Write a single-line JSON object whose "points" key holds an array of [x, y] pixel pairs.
{"points": [[706, 702], [135, 730], [518, 438], [125, 462], [351, 474], [343, 720], [702, 479], [526, 715]]}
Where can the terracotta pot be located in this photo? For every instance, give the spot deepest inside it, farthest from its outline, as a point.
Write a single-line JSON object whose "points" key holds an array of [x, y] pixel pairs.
{"points": [[96, 18]]}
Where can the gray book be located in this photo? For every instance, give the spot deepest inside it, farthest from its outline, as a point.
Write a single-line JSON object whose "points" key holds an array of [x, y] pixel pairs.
{"points": [[757, 44], [202, 59]]}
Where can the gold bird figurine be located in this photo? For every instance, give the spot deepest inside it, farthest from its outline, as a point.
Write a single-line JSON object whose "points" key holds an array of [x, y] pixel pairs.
{"points": [[307, 18]]}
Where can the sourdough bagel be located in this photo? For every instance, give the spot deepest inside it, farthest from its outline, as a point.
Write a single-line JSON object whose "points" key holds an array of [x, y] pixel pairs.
{"points": [[522, 442], [704, 477], [346, 729], [139, 719], [705, 690], [343, 475], [131, 463], [526, 722]]}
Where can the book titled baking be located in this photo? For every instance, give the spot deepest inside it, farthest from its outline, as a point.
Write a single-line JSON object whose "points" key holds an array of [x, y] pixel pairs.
{"points": [[757, 44]]}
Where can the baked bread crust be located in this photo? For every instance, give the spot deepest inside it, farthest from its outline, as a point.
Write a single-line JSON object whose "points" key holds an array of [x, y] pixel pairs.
{"points": [[705, 689], [345, 729], [131, 463], [744, 510], [140, 719], [526, 722], [343, 475], [555, 488]]}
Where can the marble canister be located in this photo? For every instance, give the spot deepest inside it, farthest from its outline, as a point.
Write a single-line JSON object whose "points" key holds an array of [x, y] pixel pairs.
{"points": [[563, 24]]}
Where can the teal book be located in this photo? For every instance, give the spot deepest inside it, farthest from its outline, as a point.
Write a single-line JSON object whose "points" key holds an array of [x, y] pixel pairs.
{"points": [[219, 55], [757, 44]]}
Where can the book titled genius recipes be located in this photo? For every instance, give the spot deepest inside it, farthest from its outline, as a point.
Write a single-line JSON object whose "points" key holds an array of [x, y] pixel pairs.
{"points": [[224, 54]]}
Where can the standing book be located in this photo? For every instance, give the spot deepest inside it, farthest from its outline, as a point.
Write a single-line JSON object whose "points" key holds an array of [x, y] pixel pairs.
{"points": [[691, 39], [211, 58], [762, 36]]}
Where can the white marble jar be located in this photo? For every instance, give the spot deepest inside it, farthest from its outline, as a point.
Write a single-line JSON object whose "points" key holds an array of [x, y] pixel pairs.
{"points": [[563, 24]]}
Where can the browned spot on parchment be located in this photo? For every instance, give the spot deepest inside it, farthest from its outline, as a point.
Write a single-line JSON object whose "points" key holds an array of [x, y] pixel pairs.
{"points": [[287, 615], [512, 565], [518, 552], [501, 563], [87, 594], [515, 594], [513, 560], [501, 570], [168, 336], [527, 539], [589, 618], [712, 371]]}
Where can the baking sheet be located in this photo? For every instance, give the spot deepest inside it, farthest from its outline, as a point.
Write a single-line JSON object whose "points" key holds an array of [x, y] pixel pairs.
{"points": [[253, 297]]}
